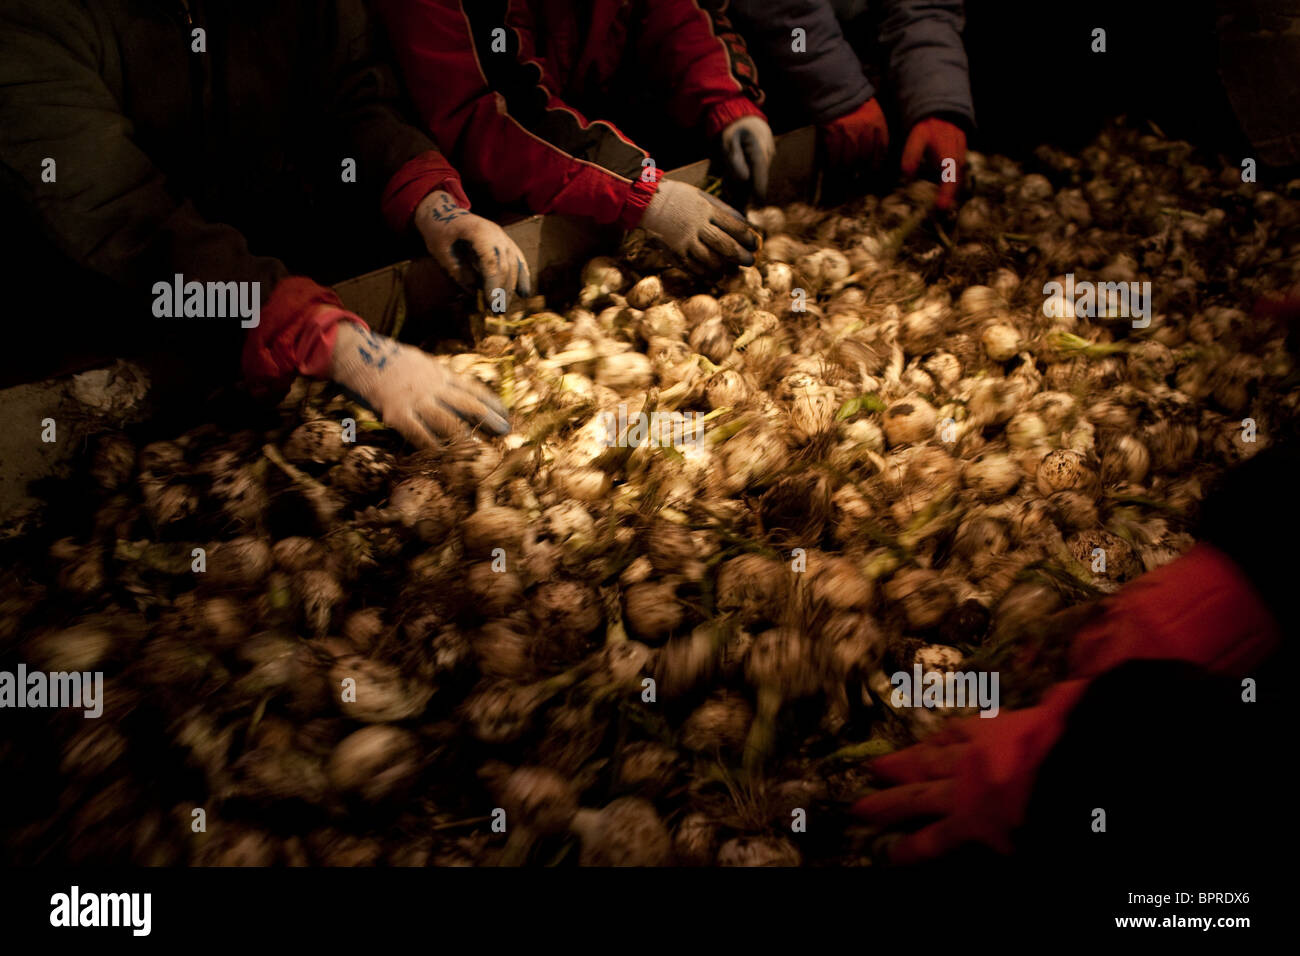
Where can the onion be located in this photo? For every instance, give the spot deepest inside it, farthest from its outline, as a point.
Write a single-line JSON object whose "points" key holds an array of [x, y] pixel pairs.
{"points": [[621, 664], [1074, 510], [647, 768], [645, 293], [319, 442], [1127, 459], [568, 610], [627, 832], [1026, 430], [364, 627], [376, 762], [924, 596], [491, 527], [753, 585], [782, 658], [318, 594], [978, 301], [652, 611], [770, 219], [298, 553], [758, 851], [699, 309], [600, 277], [364, 470], [665, 320], [82, 647], [500, 712], [686, 662], [910, 420], [696, 840], [539, 799], [1122, 563], [496, 592], [1035, 188], [624, 372], [239, 562], [1064, 470], [382, 694], [753, 459], [1001, 341], [720, 723], [712, 340], [726, 389], [113, 462]]}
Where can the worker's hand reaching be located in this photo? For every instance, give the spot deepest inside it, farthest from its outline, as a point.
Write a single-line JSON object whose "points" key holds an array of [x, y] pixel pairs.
{"points": [[708, 234], [411, 390], [859, 138], [973, 779], [749, 147], [475, 251], [976, 776], [941, 145]]}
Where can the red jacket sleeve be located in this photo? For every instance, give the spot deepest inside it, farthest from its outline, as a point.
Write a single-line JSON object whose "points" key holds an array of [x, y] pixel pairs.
{"points": [[414, 180], [295, 335], [702, 63], [497, 113]]}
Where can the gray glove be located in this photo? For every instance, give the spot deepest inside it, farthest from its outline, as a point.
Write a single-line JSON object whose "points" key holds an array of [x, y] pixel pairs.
{"points": [[411, 390], [475, 251], [749, 147], [706, 233]]}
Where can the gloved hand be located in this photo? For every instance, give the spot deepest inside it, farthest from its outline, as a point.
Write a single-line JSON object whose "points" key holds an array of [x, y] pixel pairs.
{"points": [[858, 138], [411, 390], [748, 145], [475, 251], [706, 233], [977, 774], [935, 140]]}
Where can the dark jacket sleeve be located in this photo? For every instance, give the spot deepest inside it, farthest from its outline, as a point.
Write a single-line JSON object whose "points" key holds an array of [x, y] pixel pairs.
{"points": [[108, 207], [825, 75], [1260, 546], [364, 104], [927, 61]]}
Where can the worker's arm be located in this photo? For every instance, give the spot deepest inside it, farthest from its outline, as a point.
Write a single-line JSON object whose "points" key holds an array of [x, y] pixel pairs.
{"points": [[498, 113], [976, 777], [703, 67], [927, 64], [710, 82], [66, 143], [360, 106], [821, 69]]}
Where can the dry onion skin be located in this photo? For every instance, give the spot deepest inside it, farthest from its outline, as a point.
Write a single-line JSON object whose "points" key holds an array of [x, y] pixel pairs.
{"points": [[728, 512]]}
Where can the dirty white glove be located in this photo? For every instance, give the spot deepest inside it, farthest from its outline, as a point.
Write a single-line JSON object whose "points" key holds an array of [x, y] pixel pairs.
{"points": [[411, 390], [475, 251], [748, 145], [706, 233]]}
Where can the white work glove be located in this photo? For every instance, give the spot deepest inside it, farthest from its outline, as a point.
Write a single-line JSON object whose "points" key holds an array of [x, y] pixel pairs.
{"points": [[706, 233], [411, 390], [748, 145], [475, 251]]}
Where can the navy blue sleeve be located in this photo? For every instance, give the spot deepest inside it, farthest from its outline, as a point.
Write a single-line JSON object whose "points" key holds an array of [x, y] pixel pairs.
{"points": [[927, 61], [819, 67]]}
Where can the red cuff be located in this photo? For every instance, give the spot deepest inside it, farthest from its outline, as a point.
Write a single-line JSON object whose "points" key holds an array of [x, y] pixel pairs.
{"points": [[727, 112], [296, 334], [417, 178], [638, 199]]}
